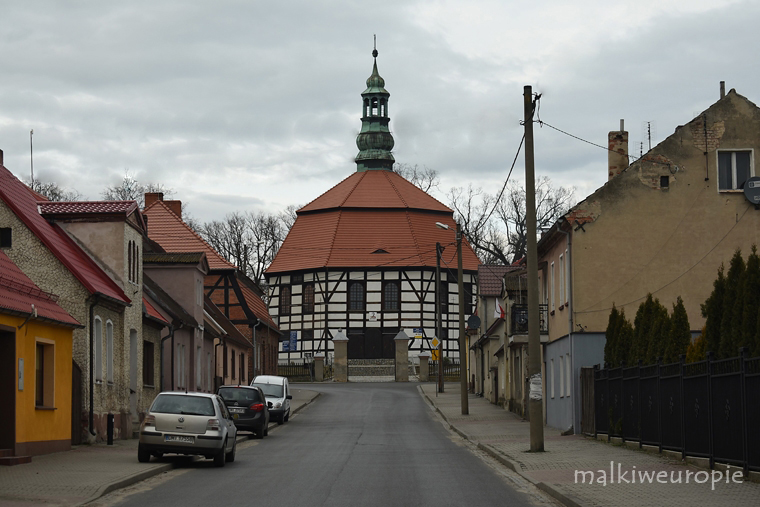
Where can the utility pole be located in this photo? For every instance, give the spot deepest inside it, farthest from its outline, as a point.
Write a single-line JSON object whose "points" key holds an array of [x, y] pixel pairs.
{"points": [[462, 341], [439, 326], [535, 403]]}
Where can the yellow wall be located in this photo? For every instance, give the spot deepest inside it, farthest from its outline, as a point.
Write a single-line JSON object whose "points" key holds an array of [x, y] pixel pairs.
{"points": [[32, 424]]}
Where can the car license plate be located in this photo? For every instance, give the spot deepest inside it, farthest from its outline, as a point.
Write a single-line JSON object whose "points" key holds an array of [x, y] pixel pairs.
{"points": [[179, 438], [237, 411]]}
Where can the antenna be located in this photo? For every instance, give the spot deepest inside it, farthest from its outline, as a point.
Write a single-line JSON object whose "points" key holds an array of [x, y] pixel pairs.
{"points": [[31, 155], [649, 134], [374, 46]]}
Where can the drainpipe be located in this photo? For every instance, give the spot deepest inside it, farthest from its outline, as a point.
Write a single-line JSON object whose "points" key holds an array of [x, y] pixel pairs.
{"points": [[570, 337], [255, 350], [92, 367], [216, 360], [161, 367]]}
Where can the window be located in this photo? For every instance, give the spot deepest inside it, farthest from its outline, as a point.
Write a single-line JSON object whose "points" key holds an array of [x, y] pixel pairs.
{"points": [[567, 277], [561, 376], [552, 375], [98, 338], [224, 360], [551, 280], [6, 238], [391, 297], [734, 168], [232, 365], [468, 296], [199, 292], [569, 375], [241, 363], [561, 280], [356, 296], [109, 351], [44, 374], [296, 279], [133, 253], [285, 300], [148, 364], [308, 298], [664, 182]]}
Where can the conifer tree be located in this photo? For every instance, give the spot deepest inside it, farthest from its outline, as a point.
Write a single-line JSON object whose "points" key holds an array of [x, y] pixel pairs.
{"points": [[610, 334], [680, 333], [642, 327], [624, 338], [712, 311], [697, 350], [729, 327], [659, 334], [751, 301]]}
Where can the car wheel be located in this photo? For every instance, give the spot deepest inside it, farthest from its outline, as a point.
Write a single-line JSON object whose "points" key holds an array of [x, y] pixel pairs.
{"points": [[231, 455], [258, 434], [266, 430], [280, 419], [219, 459], [143, 456], [287, 416]]}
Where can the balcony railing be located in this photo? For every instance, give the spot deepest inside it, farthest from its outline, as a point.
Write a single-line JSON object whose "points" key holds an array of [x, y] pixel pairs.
{"points": [[519, 319]]}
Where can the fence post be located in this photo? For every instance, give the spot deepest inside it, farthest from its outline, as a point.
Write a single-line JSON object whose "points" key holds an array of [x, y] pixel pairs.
{"points": [[596, 369], [659, 405], [638, 397], [710, 409], [681, 360], [622, 401], [745, 447]]}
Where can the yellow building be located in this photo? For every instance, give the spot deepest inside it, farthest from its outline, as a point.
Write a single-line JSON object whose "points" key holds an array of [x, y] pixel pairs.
{"points": [[35, 368]]}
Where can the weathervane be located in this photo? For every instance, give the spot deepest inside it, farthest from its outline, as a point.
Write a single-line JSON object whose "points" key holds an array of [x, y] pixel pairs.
{"points": [[374, 48]]}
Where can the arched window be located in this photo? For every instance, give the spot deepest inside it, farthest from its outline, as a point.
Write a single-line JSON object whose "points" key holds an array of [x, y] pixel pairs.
{"points": [[98, 332], [374, 107], [383, 112], [391, 296], [366, 107], [308, 298], [109, 351], [285, 300], [129, 261], [356, 296]]}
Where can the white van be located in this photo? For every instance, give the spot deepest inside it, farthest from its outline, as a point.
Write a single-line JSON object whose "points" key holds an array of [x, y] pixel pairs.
{"points": [[277, 392]]}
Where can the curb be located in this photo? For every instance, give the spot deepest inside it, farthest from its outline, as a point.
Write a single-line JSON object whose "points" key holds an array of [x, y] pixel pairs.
{"points": [[567, 500]]}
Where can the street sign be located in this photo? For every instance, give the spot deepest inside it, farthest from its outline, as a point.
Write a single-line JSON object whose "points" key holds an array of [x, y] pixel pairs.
{"points": [[435, 342], [293, 341], [418, 333], [434, 357]]}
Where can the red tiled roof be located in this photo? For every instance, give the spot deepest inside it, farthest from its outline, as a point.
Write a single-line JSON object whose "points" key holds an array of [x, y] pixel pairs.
{"points": [[258, 306], [152, 312], [175, 236], [375, 189], [18, 293], [371, 219], [490, 278], [23, 203], [60, 207]]}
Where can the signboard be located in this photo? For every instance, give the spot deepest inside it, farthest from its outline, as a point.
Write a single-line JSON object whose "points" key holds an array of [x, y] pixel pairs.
{"points": [[434, 357], [435, 342], [418, 333], [286, 346], [373, 316], [293, 341]]}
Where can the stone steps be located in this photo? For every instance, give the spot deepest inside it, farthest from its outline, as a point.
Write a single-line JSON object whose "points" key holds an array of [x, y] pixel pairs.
{"points": [[8, 459]]}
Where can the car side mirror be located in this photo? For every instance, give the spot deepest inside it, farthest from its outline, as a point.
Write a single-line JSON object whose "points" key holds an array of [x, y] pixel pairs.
{"points": [[290, 396], [269, 404]]}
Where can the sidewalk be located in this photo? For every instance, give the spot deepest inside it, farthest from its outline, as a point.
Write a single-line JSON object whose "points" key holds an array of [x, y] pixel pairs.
{"points": [[88, 472], [506, 437]]}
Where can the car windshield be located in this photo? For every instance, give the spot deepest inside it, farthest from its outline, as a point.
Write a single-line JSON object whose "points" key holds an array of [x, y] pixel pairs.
{"points": [[271, 390], [180, 404], [239, 394]]}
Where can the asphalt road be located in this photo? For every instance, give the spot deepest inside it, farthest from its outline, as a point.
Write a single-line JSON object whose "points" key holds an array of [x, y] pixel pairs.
{"points": [[357, 444]]}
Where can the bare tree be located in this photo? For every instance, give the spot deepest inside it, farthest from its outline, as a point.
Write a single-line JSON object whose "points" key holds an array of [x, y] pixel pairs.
{"points": [[53, 191], [423, 177], [129, 189], [498, 230]]}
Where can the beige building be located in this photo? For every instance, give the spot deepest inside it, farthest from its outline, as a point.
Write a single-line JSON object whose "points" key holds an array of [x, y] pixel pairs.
{"points": [[662, 225]]}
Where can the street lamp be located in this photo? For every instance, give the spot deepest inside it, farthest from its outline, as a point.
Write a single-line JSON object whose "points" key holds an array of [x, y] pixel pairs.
{"points": [[462, 342]]}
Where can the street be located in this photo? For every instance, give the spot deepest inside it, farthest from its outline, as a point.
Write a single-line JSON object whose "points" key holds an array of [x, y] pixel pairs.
{"points": [[357, 444]]}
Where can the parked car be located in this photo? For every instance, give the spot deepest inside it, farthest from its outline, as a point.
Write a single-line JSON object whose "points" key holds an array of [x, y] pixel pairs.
{"points": [[248, 407], [277, 391], [188, 423]]}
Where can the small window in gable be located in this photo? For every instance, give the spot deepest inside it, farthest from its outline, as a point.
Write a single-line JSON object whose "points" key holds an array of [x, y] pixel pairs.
{"points": [[6, 238], [734, 169], [380, 251]]}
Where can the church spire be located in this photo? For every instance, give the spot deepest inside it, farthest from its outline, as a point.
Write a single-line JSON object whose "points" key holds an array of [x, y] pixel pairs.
{"points": [[375, 141]]}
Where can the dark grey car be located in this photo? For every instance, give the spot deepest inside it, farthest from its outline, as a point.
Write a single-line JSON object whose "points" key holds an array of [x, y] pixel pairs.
{"points": [[248, 407]]}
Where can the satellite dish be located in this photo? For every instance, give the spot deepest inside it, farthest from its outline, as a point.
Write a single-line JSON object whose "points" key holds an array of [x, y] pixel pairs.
{"points": [[752, 190], [473, 322]]}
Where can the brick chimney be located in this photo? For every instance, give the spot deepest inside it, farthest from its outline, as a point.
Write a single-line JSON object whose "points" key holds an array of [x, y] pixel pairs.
{"points": [[175, 206], [617, 156], [722, 89], [151, 197], [1, 157]]}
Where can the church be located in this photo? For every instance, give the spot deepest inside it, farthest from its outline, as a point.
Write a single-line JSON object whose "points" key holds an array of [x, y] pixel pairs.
{"points": [[361, 258]]}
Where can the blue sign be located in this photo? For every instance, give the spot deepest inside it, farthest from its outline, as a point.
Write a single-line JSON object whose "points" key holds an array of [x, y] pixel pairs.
{"points": [[293, 341], [286, 346]]}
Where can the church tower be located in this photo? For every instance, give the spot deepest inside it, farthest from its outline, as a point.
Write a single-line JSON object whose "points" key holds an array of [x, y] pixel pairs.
{"points": [[375, 140]]}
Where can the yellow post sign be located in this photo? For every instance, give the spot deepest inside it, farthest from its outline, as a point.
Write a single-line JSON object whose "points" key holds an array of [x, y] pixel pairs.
{"points": [[434, 357]]}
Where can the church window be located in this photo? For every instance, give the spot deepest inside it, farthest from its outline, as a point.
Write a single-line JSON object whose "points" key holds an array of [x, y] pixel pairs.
{"points": [[391, 296], [308, 298], [285, 300], [356, 296]]}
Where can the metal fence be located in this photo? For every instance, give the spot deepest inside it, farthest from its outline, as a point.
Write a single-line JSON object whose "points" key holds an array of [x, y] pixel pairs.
{"points": [[450, 370], [297, 370], [708, 409]]}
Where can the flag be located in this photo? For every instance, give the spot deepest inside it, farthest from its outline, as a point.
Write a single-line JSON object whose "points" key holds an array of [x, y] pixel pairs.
{"points": [[498, 311]]}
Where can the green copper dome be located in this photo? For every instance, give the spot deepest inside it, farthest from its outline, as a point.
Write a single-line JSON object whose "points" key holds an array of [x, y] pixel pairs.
{"points": [[375, 140]]}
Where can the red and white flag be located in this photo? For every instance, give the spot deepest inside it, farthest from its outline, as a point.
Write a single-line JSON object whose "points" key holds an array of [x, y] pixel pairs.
{"points": [[498, 311]]}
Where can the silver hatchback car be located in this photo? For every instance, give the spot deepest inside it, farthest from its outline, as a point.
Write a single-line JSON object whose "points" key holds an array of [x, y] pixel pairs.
{"points": [[188, 423]]}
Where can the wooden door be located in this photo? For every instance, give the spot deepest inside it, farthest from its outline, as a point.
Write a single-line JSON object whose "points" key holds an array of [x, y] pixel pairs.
{"points": [[76, 404], [8, 374], [373, 343]]}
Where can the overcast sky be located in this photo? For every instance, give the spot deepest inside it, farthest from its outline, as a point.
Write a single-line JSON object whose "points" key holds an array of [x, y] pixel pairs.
{"points": [[253, 105]]}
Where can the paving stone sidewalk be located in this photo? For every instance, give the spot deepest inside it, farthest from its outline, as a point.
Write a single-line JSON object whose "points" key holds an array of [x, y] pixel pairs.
{"points": [[88, 472], [507, 438]]}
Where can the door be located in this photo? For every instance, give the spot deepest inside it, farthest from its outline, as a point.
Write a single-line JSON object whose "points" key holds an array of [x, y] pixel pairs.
{"points": [[373, 343], [8, 373], [355, 344], [389, 346]]}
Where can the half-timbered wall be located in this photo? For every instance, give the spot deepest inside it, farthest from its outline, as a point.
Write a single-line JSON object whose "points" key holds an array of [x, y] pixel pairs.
{"points": [[316, 319]]}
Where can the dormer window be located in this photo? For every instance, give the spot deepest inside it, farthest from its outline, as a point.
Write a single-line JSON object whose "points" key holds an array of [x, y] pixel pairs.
{"points": [[380, 251], [6, 237]]}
